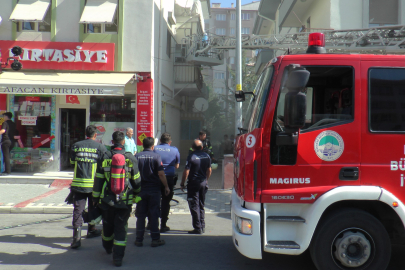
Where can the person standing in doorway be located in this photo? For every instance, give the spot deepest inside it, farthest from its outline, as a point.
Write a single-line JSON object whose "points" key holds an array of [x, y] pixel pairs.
{"points": [[171, 161], [7, 142], [85, 156], [197, 171], [152, 175], [130, 145]]}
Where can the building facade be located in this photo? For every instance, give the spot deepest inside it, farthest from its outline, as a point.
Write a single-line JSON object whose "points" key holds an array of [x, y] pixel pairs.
{"points": [[103, 62]]}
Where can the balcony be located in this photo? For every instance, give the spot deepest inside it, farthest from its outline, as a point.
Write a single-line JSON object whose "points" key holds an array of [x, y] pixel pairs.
{"points": [[188, 81]]}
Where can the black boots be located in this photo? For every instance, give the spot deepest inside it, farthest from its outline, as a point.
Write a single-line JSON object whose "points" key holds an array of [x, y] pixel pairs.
{"points": [[77, 232], [92, 231]]}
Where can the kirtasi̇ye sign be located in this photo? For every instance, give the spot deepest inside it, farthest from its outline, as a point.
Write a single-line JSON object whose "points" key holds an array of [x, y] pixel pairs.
{"points": [[62, 55]]}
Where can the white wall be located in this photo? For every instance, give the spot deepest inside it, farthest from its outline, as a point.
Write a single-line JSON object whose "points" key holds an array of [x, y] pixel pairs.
{"points": [[346, 14], [137, 38], [68, 15], [6, 26], [319, 12]]}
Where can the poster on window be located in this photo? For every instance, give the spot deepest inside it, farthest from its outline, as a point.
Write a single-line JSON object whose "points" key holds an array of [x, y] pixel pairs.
{"points": [[106, 129]]}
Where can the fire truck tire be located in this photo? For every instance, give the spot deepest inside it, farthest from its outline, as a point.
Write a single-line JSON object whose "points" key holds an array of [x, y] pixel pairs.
{"points": [[350, 239]]}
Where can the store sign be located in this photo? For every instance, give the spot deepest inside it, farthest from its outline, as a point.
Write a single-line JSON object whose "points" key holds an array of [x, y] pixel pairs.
{"points": [[116, 91], [144, 110], [28, 120], [62, 55]]}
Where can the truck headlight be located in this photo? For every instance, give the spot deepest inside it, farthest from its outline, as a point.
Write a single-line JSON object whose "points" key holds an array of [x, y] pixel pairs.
{"points": [[243, 225]]}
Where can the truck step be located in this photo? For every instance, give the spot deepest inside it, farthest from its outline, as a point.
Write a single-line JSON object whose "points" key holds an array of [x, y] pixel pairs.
{"points": [[282, 245], [286, 219]]}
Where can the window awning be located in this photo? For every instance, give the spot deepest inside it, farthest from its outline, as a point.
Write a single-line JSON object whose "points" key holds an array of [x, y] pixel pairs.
{"points": [[99, 11], [54, 83], [30, 10]]}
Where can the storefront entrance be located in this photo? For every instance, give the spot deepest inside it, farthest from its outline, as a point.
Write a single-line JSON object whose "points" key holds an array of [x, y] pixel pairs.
{"points": [[72, 129]]}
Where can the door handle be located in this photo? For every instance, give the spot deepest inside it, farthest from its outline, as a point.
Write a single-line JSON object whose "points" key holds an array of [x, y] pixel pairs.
{"points": [[349, 173]]}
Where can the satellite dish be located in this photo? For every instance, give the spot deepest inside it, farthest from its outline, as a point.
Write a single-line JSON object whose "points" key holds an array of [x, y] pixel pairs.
{"points": [[200, 105]]}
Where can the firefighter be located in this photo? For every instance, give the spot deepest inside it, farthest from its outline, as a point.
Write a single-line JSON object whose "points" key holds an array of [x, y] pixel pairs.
{"points": [[197, 171], [171, 161], [207, 148], [152, 175], [115, 211], [85, 155]]}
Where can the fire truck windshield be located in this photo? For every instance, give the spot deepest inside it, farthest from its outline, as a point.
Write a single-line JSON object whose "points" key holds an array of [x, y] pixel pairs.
{"points": [[255, 110]]}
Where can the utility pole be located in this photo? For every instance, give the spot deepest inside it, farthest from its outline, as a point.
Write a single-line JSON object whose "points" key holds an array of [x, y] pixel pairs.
{"points": [[238, 105]]}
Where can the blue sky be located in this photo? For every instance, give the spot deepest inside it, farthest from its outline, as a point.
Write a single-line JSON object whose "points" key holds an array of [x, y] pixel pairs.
{"points": [[227, 3]]}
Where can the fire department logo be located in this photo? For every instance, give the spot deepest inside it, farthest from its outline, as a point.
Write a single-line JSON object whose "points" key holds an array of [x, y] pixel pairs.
{"points": [[329, 145]]}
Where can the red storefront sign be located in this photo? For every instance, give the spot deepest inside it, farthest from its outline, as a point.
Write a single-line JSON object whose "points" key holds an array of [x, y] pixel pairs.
{"points": [[144, 110], [62, 55]]}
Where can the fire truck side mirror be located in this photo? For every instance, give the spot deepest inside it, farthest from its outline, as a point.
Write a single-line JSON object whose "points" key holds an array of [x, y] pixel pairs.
{"points": [[295, 105]]}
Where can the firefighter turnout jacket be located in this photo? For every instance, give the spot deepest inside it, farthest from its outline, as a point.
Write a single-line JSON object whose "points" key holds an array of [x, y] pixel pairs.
{"points": [[102, 193], [85, 155]]}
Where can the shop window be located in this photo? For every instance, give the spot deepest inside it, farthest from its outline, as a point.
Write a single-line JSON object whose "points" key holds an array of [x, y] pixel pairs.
{"points": [[33, 120], [112, 109]]}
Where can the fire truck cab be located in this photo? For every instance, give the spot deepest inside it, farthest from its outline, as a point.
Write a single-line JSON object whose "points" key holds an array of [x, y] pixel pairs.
{"points": [[320, 161]]}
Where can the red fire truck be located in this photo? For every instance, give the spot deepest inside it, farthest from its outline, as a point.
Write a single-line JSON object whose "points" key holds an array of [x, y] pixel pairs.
{"points": [[320, 161]]}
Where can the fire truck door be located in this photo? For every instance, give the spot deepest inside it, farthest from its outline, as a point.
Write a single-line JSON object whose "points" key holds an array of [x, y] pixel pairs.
{"points": [[383, 144], [328, 150]]}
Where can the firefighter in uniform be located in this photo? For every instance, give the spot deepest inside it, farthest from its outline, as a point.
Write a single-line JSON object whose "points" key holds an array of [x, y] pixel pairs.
{"points": [[207, 148], [115, 211], [197, 171], [171, 161], [84, 155]]}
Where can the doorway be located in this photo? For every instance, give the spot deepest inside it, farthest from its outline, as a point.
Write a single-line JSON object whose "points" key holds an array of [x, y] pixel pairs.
{"points": [[72, 129]]}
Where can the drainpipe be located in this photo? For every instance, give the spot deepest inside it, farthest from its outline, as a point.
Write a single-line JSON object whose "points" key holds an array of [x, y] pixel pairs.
{"points": [[159, 82]]}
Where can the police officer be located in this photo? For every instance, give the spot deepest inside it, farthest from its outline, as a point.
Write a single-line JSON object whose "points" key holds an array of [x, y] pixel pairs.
{"points": [[115, 211], [85, 155], [197, 171], [152, 174], [171, 160], [207, 148]]}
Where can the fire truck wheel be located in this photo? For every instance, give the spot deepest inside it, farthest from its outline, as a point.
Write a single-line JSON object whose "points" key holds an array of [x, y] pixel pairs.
{"points": [[350, 239]]}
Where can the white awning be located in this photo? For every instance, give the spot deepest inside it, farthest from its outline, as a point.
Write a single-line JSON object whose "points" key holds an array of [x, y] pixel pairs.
{"points": [[54, 83], [99, 11], [30, 10]]}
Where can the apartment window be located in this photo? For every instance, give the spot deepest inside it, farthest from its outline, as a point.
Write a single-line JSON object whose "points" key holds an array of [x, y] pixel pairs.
{"points": [[233, 16], [220, 17], [100, 17], [245, 16], [383, 12], [220, 31], [232, 60], [386, 100], [32, 16], [232, 31], [245, 30], [169, 43], [219, 75]]}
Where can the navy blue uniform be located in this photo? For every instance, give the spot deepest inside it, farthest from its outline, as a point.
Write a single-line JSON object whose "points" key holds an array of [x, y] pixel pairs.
{"points": [[170, 158], [198, 163], [149, 164]]}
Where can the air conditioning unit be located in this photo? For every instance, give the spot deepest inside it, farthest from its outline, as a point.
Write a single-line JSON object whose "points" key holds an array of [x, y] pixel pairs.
{"points": [[171, 18]]}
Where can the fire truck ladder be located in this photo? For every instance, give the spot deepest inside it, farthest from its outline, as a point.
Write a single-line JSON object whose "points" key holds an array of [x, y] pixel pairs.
{"points": [[375, 40]]}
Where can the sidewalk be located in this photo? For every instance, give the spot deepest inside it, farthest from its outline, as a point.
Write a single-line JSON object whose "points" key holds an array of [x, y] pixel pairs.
{"points": [[49, 199]]}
